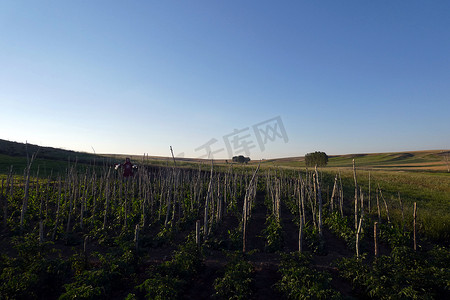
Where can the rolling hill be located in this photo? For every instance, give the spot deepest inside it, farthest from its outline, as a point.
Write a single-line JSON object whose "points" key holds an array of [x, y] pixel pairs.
{"points": [[14, 153]]}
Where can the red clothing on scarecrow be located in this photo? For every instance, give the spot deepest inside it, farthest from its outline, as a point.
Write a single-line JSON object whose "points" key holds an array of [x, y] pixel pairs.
{"points": [[127, 168]]}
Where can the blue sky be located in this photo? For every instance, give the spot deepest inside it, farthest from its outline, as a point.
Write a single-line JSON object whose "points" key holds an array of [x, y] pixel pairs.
{"points": [[139, 76]]}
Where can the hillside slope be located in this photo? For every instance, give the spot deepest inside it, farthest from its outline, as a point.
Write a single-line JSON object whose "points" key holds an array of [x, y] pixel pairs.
{"points": [[432, 160]]}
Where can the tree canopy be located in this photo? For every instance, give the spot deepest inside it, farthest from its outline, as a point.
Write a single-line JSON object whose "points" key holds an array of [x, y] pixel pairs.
{"points": [[316, 158], [241, 159]]}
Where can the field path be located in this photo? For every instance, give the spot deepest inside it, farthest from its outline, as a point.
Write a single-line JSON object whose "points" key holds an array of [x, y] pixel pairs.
{"points": [[265, 264]]}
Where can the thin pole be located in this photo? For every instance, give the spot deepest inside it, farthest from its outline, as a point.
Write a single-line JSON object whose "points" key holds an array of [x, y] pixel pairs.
{"points": [[415, 216]]}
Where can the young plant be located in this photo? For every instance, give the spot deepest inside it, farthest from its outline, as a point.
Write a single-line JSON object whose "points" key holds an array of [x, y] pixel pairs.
{"points": [[273, 233], [237, 281], [300, 281]]}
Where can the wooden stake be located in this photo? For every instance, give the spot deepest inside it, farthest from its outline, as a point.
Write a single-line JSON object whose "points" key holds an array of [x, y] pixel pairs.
{"points": [[136, 237], [41, 232], [245, 210], [11, 193], [341, 195], [375, 238], [333, 193], [369, 194], [86, 240], [303, 201], [300, 230], [207, 200], [414, 225], [197, 232], [378, 207], [385, 205], [26, 191], [401, 207], [57, 210], [313, 205], [174, 162], [358, 232], [106, 200], [3, 198], [319, 196], [356, 195]]}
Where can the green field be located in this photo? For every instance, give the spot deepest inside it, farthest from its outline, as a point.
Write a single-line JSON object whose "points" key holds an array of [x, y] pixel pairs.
{"points": [[77, 229], [406, 161], [420, 176], [417, 176]]}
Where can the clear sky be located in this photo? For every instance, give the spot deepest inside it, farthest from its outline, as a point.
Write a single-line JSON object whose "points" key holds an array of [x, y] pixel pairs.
{"points": [[261, 78]]}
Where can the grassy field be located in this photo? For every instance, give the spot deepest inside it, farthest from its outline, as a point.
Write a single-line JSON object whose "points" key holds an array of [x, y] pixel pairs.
{"points": [[418, 176], [400, 161], [430, 190]]}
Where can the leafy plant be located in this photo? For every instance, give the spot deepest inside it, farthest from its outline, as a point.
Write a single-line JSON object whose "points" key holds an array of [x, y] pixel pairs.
{"points": [[300, 281], [169, 279], [90, 284], [394, 235], [312, 239], [162, 287], [340, 226], [235, 236], [405, 274], [273, 234], [32, 274], [237, 281]]}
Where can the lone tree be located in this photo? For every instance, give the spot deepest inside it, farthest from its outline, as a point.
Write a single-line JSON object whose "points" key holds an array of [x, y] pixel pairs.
{"points": [[316, 158], [241, 159]]}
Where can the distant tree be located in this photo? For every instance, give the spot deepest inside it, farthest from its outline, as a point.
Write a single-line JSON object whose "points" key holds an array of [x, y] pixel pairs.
{"points": [[241, 159], [316, 158]]}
